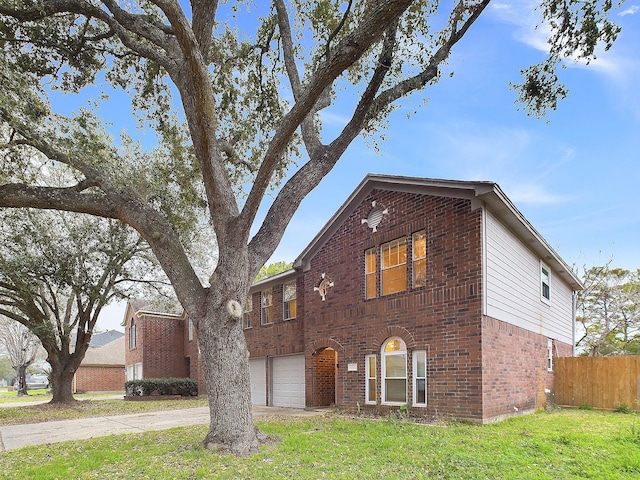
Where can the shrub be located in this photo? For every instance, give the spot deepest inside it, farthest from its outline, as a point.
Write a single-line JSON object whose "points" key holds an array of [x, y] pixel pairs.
{"points": [[185, 387], [624, 408]]}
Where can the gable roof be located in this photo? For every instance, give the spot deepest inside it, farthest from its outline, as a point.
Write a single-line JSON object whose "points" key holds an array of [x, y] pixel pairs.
{"points": [[101, 339], [481, 193]]}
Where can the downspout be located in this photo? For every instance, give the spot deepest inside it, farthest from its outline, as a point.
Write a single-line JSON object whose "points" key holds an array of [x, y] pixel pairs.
{"points": [[573, 324]]}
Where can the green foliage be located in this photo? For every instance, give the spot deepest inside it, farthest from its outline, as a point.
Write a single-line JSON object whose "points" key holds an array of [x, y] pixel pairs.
{"points": [[184, 387], [7, 372], [273, 269], [586, 406], [624, 408], [608, 312]]}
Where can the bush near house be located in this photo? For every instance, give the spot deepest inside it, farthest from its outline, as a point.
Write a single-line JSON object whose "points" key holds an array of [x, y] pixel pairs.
{"points": [[184, 387]]}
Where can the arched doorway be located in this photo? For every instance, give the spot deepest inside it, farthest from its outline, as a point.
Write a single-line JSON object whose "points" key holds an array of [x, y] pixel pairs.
{"points": [[325, 361]]}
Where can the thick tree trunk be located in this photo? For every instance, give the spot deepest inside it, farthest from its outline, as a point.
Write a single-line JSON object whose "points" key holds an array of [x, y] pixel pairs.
{"points": [[225, 362], [61, 384], [225, 357]]}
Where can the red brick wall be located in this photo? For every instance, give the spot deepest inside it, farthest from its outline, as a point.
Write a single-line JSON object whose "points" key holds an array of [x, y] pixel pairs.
{"points": [[443, 318], [515, 374], [100, 379], [163, 346], [282, 337], [193, 365]]}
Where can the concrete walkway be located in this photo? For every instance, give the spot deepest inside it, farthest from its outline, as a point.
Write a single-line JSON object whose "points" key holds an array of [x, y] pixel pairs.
{"points": [[18, 436]]}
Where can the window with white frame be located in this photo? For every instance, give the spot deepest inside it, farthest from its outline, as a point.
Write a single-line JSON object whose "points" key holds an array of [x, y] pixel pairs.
{"points": [[419, 254], [394, 371], [248, 310], [266, 310], [550, 355], [394, 266], [419, 377], [289, 300], [133, 335], [372, 384], [190, 327], [545, 283], [134, 371], [370, 273]]}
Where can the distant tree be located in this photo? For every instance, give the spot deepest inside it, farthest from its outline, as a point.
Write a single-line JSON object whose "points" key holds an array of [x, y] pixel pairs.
{"points": [[57, 272], [251, 89], [22, 349], [608, 312], [7, 372], [273, 269]]}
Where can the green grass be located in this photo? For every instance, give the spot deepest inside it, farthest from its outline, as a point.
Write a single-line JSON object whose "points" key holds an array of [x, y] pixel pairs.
{"points": [[569, 444], [88, 408], [34, 396]]}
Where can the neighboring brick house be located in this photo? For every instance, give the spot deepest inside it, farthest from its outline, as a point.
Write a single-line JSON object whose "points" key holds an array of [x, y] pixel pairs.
{"points": [[160, 344], [434, 294], [102, 368]]}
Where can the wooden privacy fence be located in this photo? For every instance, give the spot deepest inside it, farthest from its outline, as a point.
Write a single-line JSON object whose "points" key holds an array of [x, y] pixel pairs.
{"points": [[600, 382]]}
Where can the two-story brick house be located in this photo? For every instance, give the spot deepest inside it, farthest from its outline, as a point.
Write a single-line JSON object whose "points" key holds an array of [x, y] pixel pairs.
{"points": [[434, 294]]}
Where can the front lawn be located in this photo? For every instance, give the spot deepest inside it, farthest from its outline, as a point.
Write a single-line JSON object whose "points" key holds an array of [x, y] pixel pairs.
{"points": [[89, 408], [563, 445]]}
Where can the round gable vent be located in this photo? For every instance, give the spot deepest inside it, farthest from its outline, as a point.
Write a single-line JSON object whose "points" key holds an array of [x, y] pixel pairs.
{"points": [[376, 214]]}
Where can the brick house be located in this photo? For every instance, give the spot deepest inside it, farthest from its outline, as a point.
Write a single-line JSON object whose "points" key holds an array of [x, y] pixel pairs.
{"points": [[434, 294], [102, 368], [160, 343]]}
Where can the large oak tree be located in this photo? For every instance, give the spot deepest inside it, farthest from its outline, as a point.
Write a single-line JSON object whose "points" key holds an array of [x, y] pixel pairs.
{"points": [[250, 91], [57, 272]]}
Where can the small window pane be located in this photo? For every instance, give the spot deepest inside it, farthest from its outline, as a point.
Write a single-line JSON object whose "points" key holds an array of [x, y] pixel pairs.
{"points": [[394, 266], [396, 390], [370, 273], [421, 391], [396, 366], [371, 375], [420, 259], [395, 345], [289, 300]]}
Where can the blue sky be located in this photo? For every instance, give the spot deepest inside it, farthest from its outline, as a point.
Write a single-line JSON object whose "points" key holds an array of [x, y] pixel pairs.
{"points": [[575, 175]]}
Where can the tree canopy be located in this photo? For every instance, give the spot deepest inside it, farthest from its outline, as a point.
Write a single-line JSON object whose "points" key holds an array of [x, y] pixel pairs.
{"points": [[608, 312], [57, 271], [247, 92]]}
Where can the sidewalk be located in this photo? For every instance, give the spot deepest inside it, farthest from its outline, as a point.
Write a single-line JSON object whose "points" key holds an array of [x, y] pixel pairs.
{"points": [[18, 436]]}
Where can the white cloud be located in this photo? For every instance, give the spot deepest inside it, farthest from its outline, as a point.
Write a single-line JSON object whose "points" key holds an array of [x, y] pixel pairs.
{"points": [[525, 166], [632, 10], [533, 194]]}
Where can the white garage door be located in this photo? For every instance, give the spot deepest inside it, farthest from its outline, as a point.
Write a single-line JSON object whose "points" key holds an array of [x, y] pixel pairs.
{"points": [[288, 381], [258, 370]]}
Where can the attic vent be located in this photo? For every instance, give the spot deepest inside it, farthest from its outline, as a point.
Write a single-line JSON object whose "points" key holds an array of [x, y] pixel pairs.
{"points": [[375, 216]]}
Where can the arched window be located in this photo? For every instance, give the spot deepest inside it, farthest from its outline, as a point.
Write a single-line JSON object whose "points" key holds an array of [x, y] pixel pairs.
{"points": [[394, 371]]}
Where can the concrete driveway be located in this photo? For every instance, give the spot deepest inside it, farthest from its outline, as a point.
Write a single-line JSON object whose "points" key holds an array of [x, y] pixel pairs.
{"points": [[18, 436]]}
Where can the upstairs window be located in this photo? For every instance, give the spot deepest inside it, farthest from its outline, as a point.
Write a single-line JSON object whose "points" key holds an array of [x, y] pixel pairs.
{"points": [[394, 266], [545, 283], [370, 273], [289, 300], [248, 311], [133, 335], [190, 329], [266, 312], [419, 252]]}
